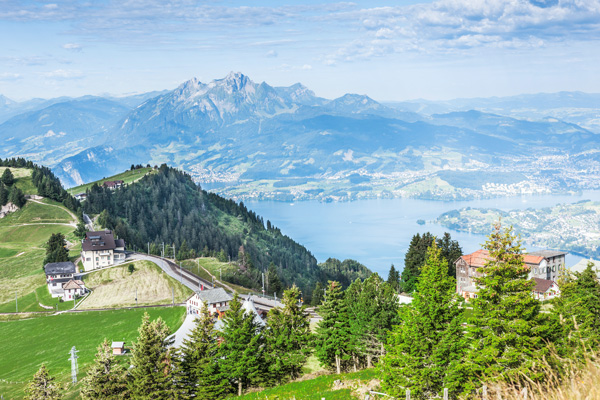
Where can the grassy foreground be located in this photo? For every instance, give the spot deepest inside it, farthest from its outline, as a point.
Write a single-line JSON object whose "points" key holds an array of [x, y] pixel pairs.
{"points": [[26, 344], [127, 177]]}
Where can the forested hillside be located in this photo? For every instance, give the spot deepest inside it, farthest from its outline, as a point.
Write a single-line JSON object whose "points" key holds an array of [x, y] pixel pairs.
{"points": [[169, 207]]}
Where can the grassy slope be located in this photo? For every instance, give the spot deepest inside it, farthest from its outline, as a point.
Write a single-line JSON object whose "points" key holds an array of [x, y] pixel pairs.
{"points": [[126, 177], [22, 179], [115, 287], [317, 388], [26, 344], [213, 265], [22, 252]]}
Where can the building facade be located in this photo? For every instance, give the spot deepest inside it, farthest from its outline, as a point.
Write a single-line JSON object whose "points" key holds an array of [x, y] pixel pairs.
{"points": [[217, 300], [62, 280], [100, 249]]}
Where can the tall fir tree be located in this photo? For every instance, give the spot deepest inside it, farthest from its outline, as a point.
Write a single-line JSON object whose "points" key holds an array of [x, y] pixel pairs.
{"points": [[241, 351], [151, 372], [288, 338], [3, 194], [56, 249], [507, 334], [43, 386], [106, 378], [578, 310], [373, 311], [317, 295], [332, 342], [426, 348], [197, 374], [394, 278], [451, 251], [414, 260], [274, 283], [7, 177], [16, 196]]}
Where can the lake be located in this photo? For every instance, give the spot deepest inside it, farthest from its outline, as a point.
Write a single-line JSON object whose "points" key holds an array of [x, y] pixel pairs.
{"points": [[377, 232]]}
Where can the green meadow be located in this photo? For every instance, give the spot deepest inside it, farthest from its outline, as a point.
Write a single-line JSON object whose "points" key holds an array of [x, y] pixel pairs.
{"points": [[26, 344], [127, 177]]}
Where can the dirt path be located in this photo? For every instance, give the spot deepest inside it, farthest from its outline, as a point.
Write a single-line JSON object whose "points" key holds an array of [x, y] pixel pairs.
{"points": [[73, 216], [218, 281]]}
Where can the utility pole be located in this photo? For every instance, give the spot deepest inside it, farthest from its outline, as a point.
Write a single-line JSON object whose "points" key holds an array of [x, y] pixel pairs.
{"points": [[220, 276], [174, 257], [136, 302], [148, 248], [180, 274], [163, 252], [74, 366]]}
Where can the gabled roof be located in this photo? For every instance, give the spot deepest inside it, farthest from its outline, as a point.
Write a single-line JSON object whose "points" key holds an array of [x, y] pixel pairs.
{"points": [[65, 267], [211, 296], [548, 253], [119, 345], [120, 243], [100, 240], [71, 285], [542, 285], [478, 258], [249, 308]]}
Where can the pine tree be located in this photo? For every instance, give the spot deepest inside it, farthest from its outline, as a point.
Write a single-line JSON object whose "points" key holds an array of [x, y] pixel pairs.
{"points": [[288, 337], [507, 332], [274, 284], [3, 194], [394, 278], [578, 309], [197, 363], [451, 251], [16, 196], [317, 295], [241, 350], [414, 259], [333, 331], [7, 177], [373, 310], [56, 249], [425, 350], [151, 372], [42, 386], [106, 378]]}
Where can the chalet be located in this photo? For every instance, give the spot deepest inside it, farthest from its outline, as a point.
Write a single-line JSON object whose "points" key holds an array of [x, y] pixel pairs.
{"points": [[80, 196], [543, 265], [217, 300], [100, 249], [112, 184], [545, 289], [118, 348], [62, 282]]}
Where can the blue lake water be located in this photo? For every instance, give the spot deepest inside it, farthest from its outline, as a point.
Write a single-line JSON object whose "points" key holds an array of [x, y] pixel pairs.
{"points": [[377, 232]]}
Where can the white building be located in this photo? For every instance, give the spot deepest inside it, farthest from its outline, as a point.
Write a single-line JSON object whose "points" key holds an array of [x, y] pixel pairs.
{"points": [[62, 282], [217, 300], [100, 249]]}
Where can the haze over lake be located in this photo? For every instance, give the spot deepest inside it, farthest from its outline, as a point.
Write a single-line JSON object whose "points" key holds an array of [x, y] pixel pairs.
{"points": [[377, 232]]}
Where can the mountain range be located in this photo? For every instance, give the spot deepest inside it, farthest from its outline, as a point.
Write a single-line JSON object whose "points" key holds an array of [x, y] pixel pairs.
{"points": [[252, 140]]}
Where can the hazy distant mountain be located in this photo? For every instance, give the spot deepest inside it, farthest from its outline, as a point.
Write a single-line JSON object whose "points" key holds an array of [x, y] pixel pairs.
{"points": [[257, 140]]}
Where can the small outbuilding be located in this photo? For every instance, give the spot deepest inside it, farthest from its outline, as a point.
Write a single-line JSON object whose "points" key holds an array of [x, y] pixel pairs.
{"points": [[118, 348]]}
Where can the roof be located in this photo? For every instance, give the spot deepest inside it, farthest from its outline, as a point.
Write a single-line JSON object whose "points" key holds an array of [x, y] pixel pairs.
{"points": [[582, 265], [117, 344], [120, 242], [100, 240], [72, 285], [65, 267], [217, 295], [248, 306], [548, 253], [59, 280], [112, 183], [542, 285], [478, 258]]}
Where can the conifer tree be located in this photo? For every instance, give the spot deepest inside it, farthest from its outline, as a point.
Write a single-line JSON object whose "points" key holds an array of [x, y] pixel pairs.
{"points": [[106, 378], [506, 333], [578, 309], [3, 194], [288, 337], [451, 251], [274, 284], [317, 295], [16, 196], [425, 350], [373, 311], [333, 335], [241, 350], [7, 177], [56, 249], [197, 363], [42, 386], [394, 278], [414, 259], [151, 375]]}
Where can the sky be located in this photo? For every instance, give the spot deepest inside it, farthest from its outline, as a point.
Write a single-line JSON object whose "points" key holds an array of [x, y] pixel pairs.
{"points": [[389, 50]]}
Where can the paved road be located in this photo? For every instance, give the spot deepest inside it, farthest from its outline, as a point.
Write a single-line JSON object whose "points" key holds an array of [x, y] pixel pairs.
{"points": [[88, 222], [184, 330], [190, 280]]}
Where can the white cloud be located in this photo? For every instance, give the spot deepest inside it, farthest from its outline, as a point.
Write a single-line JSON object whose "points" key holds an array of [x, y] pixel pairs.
{"points": [[271, 53], [9, 76], [72, 47], [61, 74]]}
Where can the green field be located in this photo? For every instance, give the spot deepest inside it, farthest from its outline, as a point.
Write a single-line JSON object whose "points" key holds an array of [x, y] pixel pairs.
{"points": [[26, 344], [22, 179], [36, 213], [321, 387], [127, 177]]}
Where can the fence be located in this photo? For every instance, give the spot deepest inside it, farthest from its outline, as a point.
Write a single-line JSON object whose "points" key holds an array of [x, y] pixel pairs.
{"points": [[484, 394]]}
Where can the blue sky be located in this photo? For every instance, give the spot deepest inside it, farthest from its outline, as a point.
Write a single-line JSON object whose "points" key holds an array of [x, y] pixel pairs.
{"points": [[389, 50]]}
